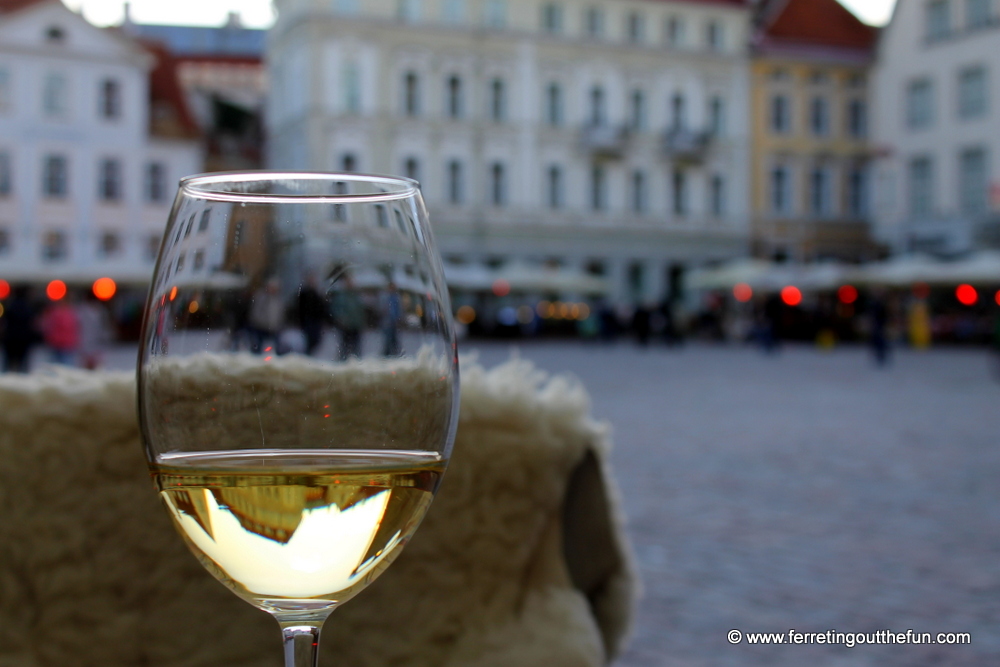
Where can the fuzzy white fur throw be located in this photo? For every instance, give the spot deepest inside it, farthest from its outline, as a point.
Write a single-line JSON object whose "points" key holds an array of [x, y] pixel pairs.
{"points": [[521, 561]]}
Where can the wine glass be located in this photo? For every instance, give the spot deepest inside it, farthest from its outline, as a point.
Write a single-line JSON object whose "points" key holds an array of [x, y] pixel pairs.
{"points": [[297, 384]]}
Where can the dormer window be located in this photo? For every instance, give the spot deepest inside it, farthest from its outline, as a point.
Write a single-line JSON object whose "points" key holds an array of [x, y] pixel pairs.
{"points": [[55, 34]]}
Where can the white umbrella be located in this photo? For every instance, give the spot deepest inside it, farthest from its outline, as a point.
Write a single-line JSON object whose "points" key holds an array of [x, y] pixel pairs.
{"points": [[745, 270]]}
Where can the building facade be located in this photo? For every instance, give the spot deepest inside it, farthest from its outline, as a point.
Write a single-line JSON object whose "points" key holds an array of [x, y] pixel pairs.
{"points": [[937, 125], [811, 156], [607, 137], [89, 154]]}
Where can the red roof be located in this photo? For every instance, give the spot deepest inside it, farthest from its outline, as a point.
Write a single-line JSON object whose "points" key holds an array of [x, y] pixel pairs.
{"points": [[168, 104], [14, 5], [819, 23]]}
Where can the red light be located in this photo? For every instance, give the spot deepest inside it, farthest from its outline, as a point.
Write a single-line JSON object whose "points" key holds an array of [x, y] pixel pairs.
{"points": [[501, 287], [55, 290], [4, 289], [104, 288], [791, 295], [966, 295], [742, 292], [847, 294], [996, 297]]}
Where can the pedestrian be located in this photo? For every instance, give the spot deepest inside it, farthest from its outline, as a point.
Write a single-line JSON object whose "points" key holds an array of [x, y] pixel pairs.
{"points": [[349, 317], [313, 311], [266, 317], [878, 313], [18, 331], [641, 324], [95, 332], [61, 330], [391, 313]]}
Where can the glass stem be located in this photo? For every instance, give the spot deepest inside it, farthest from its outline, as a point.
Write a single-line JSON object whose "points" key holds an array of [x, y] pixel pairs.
{"points": [[301, 644]]}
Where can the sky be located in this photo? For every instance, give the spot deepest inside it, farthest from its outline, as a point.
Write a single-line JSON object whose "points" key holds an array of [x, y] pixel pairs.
{"points": [[259, 14]]}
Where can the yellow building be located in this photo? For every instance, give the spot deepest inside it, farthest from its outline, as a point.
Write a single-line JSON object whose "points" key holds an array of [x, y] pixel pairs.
{"points": [[810, 176]]}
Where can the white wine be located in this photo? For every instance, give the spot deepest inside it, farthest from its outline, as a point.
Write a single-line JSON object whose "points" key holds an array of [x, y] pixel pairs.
{"points": [[297, 529]]}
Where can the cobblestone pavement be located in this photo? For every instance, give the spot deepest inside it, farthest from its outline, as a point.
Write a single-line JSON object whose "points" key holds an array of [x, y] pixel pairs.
{"points": [[807, 490]]}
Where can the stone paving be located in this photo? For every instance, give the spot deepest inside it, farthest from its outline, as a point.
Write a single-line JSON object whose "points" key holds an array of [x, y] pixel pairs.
{"points": [[807, 490]]}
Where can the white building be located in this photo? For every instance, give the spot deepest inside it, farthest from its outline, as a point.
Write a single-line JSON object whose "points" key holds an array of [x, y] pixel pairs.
{"points": [[607, 137], [88, 163], [937, 125]]}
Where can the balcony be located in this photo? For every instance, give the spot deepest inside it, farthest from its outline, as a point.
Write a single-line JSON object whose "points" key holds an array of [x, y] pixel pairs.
{"points": [[604, 141], [686, 146]]}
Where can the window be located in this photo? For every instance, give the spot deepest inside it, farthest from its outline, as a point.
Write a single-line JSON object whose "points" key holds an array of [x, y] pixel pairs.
{"points": [[597, 106], [713, 36], [978, 13], [456, 194], [498, 101], [597, 186], [972, 97], [638, 192], [678, 191], [919, 104], [921, 187], [109, 187], [156, 176], [819, 192], [6, 175], [4, 241], [348, 163], [675, 32], [55, 176], [717, 116], [408, 10], [780, 190], [54, 245], [553, 105], [54, 96], [678, 114], [411, 94], [454, 11], [857, 192], [938, 19], [152, 247], [454, 105], [781, 117], [635, 28], [206, 217], [495, 13], [351, 88], [411, 168], [973, 181], [819, 116], [110, 99], [554, 187], [638, 110], [857, 119], [498, 185], [55, 34], [199, 260], [552, 18], [637, 280], [717, 196], [111, 244], [5, 91], [595, 22]]}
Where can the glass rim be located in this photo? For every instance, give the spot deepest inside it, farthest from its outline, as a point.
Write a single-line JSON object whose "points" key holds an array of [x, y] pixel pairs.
{"points": [[205, 186]]}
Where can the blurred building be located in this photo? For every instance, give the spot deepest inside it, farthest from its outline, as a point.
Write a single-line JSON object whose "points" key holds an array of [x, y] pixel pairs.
{"points": [[222, 75], [93, 138], [608, 138], [938, 126], [811, 164]]}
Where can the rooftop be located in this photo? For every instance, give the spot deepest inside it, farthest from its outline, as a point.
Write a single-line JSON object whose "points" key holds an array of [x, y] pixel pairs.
{"points": [[813, 23]]}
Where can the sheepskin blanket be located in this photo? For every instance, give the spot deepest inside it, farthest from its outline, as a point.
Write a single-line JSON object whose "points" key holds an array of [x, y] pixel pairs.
{"points": [[521, 560]]}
